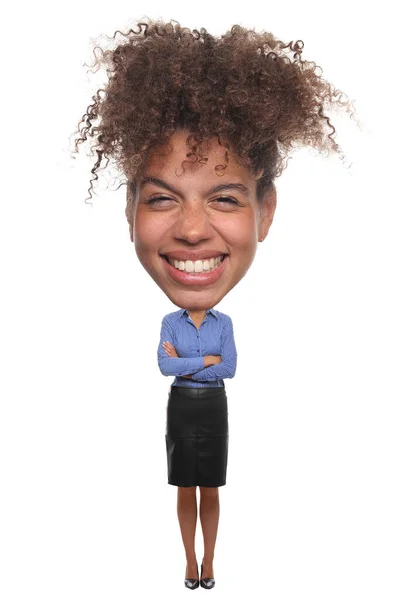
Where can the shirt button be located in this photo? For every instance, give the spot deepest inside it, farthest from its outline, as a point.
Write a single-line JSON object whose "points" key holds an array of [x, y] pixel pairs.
{"points": [[198, 351]]}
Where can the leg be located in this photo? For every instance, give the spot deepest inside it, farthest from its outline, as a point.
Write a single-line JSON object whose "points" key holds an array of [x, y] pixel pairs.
{"points": [[209, 515], [187, 515]]}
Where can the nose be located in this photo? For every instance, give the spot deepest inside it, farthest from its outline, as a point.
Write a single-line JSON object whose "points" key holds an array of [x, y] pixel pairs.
{"points": [[193, 224]]}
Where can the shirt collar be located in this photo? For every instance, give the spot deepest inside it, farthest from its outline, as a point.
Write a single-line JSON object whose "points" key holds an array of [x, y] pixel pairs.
{"points": [[209, 310]]}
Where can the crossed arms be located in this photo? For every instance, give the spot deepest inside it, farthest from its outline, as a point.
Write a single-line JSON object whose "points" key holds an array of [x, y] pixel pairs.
{"points": [[199, 368]]}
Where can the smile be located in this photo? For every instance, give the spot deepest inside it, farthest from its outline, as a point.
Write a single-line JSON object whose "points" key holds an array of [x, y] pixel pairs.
{"points": [[196, 266], [188, 272]]}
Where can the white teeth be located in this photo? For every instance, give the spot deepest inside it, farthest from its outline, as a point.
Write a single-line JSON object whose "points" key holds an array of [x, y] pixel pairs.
{"points": [[197, 266]]}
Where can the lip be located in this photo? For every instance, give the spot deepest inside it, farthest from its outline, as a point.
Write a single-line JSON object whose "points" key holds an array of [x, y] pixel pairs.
{"points": [[193, 255], [185, 278]]}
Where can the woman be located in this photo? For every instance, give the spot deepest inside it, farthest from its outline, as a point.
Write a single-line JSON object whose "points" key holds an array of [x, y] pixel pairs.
{"points": [[201, 126], [199, 349]]}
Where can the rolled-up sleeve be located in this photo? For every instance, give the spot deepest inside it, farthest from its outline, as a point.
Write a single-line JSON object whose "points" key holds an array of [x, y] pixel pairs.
{"points": [[175, 366], [227, 367]]}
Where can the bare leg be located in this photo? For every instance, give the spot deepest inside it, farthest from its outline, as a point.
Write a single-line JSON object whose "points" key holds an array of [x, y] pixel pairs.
{"points": [[187, 515], [209, 515]]}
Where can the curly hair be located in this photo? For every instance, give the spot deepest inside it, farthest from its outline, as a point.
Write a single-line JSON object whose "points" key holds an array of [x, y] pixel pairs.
{"points": [[242, 88]]}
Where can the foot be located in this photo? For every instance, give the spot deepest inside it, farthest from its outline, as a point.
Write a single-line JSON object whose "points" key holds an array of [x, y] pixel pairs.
{"points": [[208, 571], [191, 570]]}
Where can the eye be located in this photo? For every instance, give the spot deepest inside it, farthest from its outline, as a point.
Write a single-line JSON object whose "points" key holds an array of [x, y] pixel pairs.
{"points": [[158, 200], [220, 200], [226, 199]]}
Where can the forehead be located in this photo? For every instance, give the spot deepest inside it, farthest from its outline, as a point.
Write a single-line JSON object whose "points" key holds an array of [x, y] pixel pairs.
{"points": [[166, 161]]}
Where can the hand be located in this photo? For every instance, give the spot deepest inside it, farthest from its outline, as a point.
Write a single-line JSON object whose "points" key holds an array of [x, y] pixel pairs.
{"points": [[170, 349], [216, 359], [211, 360]]}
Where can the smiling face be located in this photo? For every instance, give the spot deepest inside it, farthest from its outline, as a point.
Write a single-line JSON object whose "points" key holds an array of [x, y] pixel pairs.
{"points": [[197, 216]]}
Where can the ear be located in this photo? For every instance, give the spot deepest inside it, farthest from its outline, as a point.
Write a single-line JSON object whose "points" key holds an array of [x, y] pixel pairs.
{"points": [[267, 210]]}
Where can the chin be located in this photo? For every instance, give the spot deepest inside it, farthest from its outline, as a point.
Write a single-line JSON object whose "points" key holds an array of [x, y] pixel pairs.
{"points": [[195, 299]]}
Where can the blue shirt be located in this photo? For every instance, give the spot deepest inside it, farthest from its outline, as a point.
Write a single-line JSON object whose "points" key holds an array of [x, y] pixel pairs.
{"points": [[214, 337]]}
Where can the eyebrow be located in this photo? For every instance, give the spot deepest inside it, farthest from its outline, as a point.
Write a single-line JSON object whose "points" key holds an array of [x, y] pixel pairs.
{"points": [[240, 187]]}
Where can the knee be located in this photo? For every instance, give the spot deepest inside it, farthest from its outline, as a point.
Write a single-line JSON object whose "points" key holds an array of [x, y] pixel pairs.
{"points": [[208, 492]]}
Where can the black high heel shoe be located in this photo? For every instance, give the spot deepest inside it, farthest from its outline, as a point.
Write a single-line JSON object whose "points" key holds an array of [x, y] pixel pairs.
{"points": [[192, 584], [207, 582]]}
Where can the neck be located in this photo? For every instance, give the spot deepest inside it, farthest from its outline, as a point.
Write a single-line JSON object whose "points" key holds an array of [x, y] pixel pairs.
{"points": [[197, 313]]}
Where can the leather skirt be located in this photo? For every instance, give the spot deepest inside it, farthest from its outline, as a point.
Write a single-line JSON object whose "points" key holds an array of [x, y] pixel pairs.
{"points": [[197, 436]]}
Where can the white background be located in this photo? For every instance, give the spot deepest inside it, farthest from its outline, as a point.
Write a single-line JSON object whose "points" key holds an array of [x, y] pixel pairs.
{"points": [[313, 502]]}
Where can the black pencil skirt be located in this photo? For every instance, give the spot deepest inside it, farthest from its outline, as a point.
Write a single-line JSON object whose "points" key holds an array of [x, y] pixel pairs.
{"points": [[197, 436]]}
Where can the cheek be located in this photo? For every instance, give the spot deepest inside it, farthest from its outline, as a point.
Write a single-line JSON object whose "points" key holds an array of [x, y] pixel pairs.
{"points": [[240, 234], [148, 230]]}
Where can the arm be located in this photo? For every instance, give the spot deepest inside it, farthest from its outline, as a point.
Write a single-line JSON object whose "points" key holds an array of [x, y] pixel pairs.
{"points": [[208, 361], [227, 367], [175, 366]]}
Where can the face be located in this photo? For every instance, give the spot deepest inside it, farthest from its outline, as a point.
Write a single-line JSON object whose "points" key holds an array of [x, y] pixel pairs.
{"points": [[209, 223]]}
